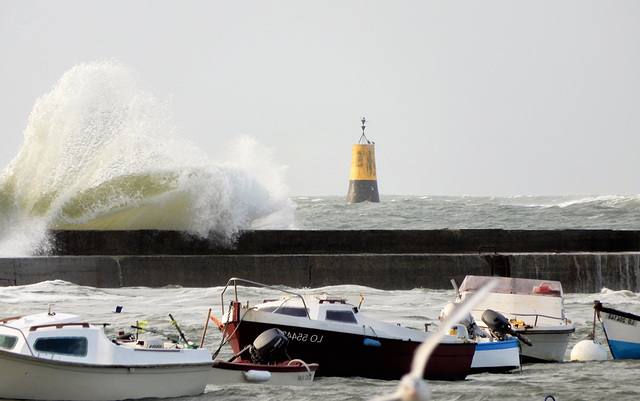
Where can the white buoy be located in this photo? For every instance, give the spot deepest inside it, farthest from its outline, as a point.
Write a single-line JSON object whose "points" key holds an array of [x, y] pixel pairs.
{"points": [[589, 350]]}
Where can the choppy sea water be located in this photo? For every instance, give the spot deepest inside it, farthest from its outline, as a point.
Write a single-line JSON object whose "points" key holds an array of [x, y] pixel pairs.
{"points": [[610, 379], [458, 212]]}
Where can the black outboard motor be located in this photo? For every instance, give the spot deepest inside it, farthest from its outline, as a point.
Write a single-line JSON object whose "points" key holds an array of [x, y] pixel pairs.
{"points": [[500, 327], [270, 347]]}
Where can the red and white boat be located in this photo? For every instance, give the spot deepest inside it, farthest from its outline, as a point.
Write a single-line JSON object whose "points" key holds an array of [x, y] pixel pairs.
{"points": [[265, 361], [289, 373], [342, 340]]}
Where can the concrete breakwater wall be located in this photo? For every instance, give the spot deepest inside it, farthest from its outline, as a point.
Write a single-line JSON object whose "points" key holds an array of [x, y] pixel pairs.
{"points": [[158, 242], [583, 260], [578, 272]]}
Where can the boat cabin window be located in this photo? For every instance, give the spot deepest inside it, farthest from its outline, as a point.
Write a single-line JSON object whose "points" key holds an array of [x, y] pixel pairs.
{"points": [[286, 310], [344, 316], [7, 342], [75, 346]]}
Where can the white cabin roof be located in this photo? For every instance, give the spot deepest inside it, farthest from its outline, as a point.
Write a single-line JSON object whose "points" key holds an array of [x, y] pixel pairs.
{"points": [[316, 306], [336, 314], [42, 319], [509, 285]]}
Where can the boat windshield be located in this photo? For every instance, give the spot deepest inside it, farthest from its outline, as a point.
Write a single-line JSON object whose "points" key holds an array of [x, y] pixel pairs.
{"points": [[285, 310], [508, 285], [344, 316], [7, 342]]}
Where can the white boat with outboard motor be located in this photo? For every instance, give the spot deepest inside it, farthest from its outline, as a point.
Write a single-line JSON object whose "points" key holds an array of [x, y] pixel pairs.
{"points": [[58, 356], [534, 309], [294, 372], [497, 349], [265, 361]]}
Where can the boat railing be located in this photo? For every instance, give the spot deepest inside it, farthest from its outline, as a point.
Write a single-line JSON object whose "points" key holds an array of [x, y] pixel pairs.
{"points": [[21, 335], [536, 315], [59, 325], [234, 281], [300, 361], [7, 320]]}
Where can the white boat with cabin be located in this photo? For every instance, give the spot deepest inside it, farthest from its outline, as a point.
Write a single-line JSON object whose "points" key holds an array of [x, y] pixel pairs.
{"points": [[58, 356]]}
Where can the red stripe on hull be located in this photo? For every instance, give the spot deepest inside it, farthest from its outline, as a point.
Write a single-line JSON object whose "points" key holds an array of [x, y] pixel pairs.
{"points": [[286, 367]]}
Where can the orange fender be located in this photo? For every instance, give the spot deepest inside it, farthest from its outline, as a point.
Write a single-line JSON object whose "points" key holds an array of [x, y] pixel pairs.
{"points": [[217, 322]]}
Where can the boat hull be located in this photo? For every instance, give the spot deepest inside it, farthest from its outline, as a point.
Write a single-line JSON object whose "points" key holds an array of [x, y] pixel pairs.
{"points": [[294, 374], [548, 344], [496, 357], [33, 378], [344, 354], [622, 330]]}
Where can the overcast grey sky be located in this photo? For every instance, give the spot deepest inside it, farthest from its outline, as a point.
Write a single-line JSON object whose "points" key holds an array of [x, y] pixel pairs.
{"points": [[463, 97]]}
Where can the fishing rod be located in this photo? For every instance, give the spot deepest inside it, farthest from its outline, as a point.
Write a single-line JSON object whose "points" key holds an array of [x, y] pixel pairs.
{"points": [[155, 331], [174, 323]]}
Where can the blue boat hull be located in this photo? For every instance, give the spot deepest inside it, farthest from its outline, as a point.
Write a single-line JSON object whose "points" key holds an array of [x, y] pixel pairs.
{"points": [[622, 330], [496, 356]]}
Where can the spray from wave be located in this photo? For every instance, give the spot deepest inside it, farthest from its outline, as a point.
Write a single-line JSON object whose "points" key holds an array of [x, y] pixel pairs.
{"points": [[100, 152]]}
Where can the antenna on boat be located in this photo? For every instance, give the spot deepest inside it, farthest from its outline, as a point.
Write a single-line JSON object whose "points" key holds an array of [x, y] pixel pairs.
{"points": [[455, 287], [49, 310], [361, 299]]}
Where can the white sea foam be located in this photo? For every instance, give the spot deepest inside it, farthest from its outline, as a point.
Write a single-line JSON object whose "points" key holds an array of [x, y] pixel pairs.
{"points": [[100, 152]]}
